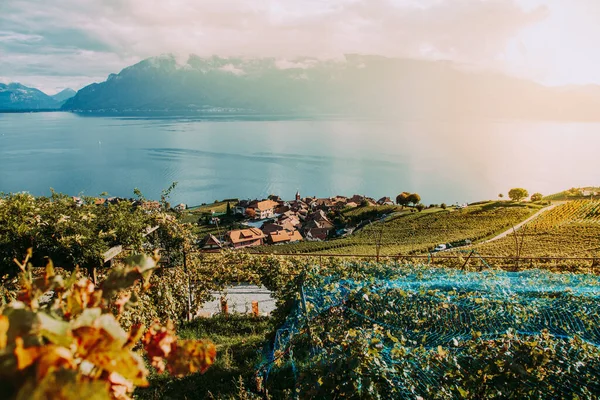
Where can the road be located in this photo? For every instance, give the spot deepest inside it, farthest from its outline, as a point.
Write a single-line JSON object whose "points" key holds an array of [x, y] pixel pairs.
{"points": [[518, 226]]}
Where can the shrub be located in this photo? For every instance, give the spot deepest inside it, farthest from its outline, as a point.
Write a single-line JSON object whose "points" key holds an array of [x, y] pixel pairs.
{"points": [[59, 339]]}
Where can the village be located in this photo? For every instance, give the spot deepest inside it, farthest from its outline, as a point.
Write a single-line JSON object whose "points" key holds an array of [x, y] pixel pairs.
{"points": [[274, 221]]}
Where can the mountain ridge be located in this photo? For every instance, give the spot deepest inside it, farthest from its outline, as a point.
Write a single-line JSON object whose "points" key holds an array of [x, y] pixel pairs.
{"points": [[355, 85], [17, 97]]}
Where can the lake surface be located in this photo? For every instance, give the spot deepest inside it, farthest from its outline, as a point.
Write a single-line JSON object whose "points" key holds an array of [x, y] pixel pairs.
{"points": [[444, 161]]}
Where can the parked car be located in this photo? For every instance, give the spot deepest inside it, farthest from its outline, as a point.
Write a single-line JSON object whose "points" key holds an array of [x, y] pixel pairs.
{"points": [[440, 247]]}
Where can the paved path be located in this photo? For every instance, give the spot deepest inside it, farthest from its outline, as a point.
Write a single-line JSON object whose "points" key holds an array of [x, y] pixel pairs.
{"points": [[518, 226], [240, 298]]}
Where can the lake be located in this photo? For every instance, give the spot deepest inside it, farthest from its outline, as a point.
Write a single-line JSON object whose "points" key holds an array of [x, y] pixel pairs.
{"points": [[444, 161]]}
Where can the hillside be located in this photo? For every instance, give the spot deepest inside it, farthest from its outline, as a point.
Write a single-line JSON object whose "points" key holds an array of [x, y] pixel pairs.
{"points": [[418, 233], [14, 96], [571, 229], [364, 85]]}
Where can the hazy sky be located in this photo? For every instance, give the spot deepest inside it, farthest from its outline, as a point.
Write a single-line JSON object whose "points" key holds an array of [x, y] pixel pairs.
{"points": [[53, 44]]}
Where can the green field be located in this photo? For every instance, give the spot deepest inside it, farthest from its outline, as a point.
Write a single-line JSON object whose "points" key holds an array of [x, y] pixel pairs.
{"points": [[412, 233]]}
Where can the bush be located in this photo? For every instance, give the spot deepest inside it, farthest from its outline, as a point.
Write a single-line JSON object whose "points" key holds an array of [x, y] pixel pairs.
{"points": [[71, 346]]}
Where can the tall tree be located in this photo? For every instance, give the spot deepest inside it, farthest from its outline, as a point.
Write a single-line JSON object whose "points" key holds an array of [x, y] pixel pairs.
{"points": [[402, 199], [518, 194], [414, 199], [536, 197]]}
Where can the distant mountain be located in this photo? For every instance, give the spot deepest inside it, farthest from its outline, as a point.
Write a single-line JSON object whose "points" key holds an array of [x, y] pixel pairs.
{"points": [[64, 95], [356, 85], [14, 96]]}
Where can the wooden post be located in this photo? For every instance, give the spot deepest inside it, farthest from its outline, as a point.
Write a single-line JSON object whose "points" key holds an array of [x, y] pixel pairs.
{"points": [[224, 306], [467, 260], [255, 308], [189, 287]]}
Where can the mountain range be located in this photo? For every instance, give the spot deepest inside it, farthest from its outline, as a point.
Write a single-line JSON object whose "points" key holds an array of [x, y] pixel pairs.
{"points": [[15, 97], [357, 85]]}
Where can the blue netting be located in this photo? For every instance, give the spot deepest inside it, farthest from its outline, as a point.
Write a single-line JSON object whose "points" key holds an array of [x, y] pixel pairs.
{"points": [[431, 327]]}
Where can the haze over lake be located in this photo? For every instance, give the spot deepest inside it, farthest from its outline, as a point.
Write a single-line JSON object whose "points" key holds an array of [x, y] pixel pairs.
{"points": [[444, 161]]}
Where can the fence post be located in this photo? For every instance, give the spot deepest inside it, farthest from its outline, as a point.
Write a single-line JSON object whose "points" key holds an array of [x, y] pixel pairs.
{"points": [[189, 287], [224, 306]]}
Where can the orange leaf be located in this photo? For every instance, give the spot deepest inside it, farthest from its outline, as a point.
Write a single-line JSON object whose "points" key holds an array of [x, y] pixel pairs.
{"points": [[3, 331], [54, 357], [191, 356], [25, 356]]}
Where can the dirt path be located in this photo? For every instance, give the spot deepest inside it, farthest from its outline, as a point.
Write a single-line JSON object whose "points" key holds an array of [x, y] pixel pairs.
{"points": [[519, 225]]}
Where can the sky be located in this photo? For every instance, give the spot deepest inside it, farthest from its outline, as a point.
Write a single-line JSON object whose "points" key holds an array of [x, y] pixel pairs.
{"points": [[54, 44]]}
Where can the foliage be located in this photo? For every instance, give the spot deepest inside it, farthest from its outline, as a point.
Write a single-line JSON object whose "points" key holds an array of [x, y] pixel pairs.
{"points": [[59, 339], [414, 199], [420, 207], [402, 199], [444, 206], [239, 339], [517, 194], [537, 197], [413, 331], [69, 234]]}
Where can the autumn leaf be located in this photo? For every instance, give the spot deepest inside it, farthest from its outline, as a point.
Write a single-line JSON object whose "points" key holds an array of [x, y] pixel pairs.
{"points": [[191, 356], [25, 356], [3, 331]]}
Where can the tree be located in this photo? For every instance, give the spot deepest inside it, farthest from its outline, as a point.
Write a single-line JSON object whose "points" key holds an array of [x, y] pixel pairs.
{"points": [[444, 206], [228, 212], [420, 207], [364, 203], [414, 198], [402, 199], [536, 197], [518, 194], [501, 195]]}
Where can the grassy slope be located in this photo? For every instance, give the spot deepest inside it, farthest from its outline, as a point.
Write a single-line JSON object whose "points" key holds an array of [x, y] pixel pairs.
{"points": [[570, 229], [239, 341], [418, 232]]}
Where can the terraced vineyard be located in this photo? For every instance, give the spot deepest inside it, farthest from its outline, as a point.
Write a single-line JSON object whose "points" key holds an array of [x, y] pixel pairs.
{"points": [[570, 229], [419, 232]]}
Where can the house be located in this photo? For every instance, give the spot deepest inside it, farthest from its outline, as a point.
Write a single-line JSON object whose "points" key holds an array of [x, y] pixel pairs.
{"points": [[78, 201], [385, 201], [284, 236], [267, 229], [321, 204], [211, 242], [351, 204], [245, 238], [318, 215], [240, 207], [317, 230], [264, 209], [357, 198], [282, 208], [180, 207]]}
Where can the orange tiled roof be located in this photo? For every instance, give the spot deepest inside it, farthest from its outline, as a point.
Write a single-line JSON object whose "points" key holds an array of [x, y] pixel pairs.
{"points": [[266, 205], [243, 235]]}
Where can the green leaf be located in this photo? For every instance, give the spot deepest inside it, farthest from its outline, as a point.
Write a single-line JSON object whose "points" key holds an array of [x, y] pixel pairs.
{"points": [[56, 331]]}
